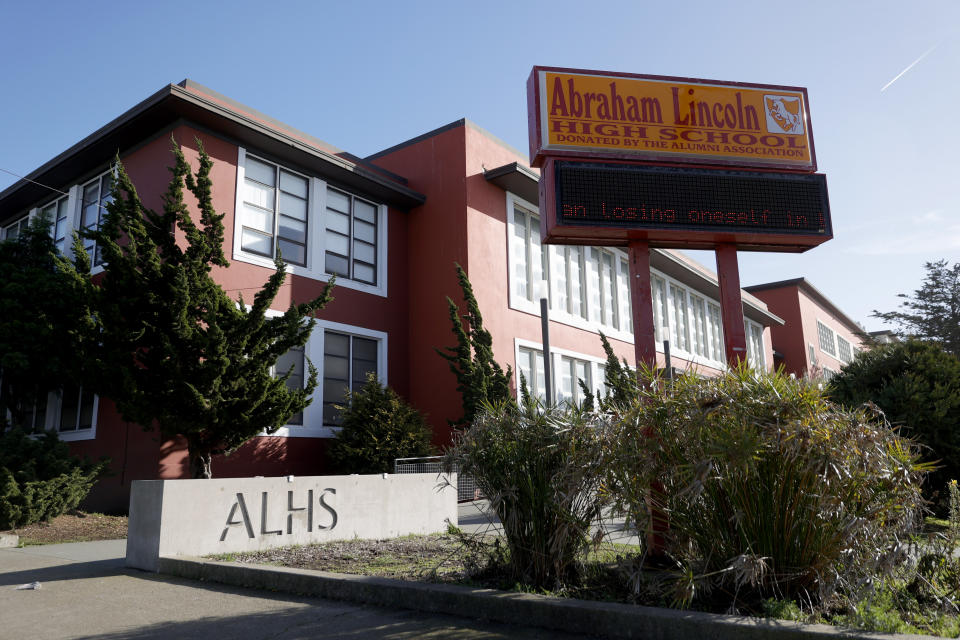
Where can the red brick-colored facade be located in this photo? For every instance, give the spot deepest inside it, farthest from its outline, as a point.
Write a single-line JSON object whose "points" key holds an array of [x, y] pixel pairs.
{"points": [[441, 203], [798, 344]]}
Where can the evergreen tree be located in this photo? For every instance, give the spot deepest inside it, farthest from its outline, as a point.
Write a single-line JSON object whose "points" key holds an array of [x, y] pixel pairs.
{"points": [[176, 352], [932, 313], [620, 381], [479, 378], [47, 324], [378, 427]]}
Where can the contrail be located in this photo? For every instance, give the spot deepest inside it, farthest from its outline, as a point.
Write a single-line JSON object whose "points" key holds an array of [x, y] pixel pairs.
{"points": [[910, 66]]}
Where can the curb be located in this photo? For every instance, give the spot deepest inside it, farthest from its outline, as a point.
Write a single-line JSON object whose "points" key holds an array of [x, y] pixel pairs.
{"points": [[613, 620]]}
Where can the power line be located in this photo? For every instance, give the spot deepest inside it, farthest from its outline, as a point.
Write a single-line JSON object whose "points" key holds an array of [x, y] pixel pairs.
{"points": [[40, 184]]}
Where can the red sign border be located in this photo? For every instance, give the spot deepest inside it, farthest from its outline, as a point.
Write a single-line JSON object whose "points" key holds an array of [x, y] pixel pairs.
{"points": [[538, 154]]}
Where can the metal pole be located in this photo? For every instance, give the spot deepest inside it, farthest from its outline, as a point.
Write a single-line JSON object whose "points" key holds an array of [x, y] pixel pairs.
{"points": [[666, 360], [547, 360]]}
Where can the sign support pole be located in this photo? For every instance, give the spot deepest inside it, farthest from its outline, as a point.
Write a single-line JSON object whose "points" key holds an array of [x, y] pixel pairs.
{"points": [[641, 303], [645, 350], [731, 305]]}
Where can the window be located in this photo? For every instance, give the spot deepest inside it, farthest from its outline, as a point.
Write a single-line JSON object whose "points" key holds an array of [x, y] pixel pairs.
{"points": [[274, 215], [12, 231], [755, 353], [716, 332], [58, 214], [529, 265], [347, 360], [351, 237], [70, 411], [572, 371], [843, 350], [825, 335], [679, 328], [292, 361], [660, 312], [95, 197], [569, 368], [530, 364], [319, 230], [588, 287]]}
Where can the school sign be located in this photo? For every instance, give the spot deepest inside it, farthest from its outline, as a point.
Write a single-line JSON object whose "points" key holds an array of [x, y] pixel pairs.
{"points": [[653, 118]]}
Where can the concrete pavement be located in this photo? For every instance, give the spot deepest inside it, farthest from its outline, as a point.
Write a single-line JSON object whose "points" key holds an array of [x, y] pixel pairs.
{"points": [[86, 592]]}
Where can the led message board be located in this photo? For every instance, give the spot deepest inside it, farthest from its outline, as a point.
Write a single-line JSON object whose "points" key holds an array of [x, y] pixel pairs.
{"points": [[599, 114], [682, 207]]}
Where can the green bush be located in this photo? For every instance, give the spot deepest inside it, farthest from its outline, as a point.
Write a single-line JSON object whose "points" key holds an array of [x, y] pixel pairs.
{"points": [[539, 470], [769, 490], [917, 385], [378, 427], [39, 479]]}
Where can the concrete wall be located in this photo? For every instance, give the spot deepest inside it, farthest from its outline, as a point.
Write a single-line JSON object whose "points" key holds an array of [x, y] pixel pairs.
{"points": [[204, 517]]}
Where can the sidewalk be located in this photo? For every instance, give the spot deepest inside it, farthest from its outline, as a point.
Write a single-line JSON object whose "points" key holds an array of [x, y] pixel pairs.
{"points": [[86, 592]]}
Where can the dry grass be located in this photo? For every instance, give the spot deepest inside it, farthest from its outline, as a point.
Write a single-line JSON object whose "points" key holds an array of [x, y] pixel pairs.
{"points": [[75, 526]]}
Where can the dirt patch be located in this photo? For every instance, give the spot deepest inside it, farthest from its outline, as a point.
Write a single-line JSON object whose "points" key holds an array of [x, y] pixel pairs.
{"points": [[434, 557], [76, 526]]}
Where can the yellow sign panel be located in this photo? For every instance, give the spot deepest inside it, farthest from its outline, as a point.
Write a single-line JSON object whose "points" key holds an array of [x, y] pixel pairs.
{"points": [[672, 120]]}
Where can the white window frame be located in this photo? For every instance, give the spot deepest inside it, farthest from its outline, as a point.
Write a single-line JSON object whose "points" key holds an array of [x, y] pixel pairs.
{"points": [[21, 222], [316, 236], [556, 357], [666, 325], [822, 330], [54, 411], [840, 355], [756, 358], [521, 303], [313, 426]]}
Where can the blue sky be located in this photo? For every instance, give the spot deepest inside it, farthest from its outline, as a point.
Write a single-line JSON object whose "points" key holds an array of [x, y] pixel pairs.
{"points": [[366, 75]]}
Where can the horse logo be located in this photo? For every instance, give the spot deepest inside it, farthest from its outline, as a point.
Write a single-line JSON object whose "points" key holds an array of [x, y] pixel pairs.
{"points": [[784, 114]]}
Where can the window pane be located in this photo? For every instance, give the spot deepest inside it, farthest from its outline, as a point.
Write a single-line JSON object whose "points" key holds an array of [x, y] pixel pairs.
{"points": [[334, 391], [365, 211], [338, 222], [364, 231], [293, 206], [338, 265], [338, 201], [623, 293], [336, 344], [519, 240], [360, 370], [364, 252], [338, 243], [69, 407], [261, 172], [257, 242], [293, 230], [364, 272], [258, 219], [578, 305], [336, 367], [365, 348], [292, 252], [86, 409], [593, 283], [679, 325], [258, 194], [293, 184]]}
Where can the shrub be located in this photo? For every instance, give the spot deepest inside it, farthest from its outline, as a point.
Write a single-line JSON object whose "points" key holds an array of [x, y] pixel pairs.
{"points": [[378, 427], [769, 490], [39, 479], [539, 471], [917, 385]]}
